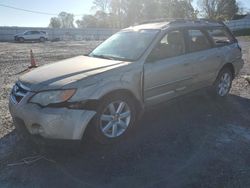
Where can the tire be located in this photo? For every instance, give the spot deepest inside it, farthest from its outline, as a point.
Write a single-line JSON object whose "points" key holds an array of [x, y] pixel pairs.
{"points": [[115, 118], [42, 39], [21, 39], [223, 83]]}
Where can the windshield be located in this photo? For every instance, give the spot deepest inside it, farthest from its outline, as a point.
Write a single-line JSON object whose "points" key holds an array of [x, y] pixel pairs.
{"points": [[125, 45]]}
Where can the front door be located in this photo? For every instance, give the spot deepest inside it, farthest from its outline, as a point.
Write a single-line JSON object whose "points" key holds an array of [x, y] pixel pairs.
{"points": [[167, 73], [28, 35]]}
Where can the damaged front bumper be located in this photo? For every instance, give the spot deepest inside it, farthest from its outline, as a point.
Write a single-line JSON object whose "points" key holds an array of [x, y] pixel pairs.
{"points": [[51, 123]]}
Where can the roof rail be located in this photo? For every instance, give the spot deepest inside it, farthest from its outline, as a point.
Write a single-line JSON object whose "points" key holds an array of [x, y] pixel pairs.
{"points": [[181, 20], [201, 20], [156, 21], [212, 21]]}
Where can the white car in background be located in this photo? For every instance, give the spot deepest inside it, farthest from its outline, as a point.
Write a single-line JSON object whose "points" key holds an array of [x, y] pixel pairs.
{"points": [[41, 36]]}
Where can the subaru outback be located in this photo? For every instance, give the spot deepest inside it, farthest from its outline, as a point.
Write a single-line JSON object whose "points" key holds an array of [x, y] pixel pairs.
{"points": [[105, 91]]}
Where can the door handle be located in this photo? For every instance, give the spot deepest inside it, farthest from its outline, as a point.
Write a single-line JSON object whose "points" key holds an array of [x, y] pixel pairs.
{"points": [[186, 64]]}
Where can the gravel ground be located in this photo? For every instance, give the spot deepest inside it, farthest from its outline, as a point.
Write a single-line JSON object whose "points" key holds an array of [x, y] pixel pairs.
{"points": [[190, 142], [15, 57]]}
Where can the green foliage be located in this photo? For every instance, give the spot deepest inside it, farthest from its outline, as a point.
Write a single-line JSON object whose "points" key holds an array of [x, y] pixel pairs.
{"points": [[177, 9], [100, 19], [101, 5], [67, 20], [55, 22], [219, 9], [122, 13], [64, 20]]}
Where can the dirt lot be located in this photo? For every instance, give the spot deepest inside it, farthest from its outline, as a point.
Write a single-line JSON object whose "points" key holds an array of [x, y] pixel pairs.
{"points": [[190, 142]]}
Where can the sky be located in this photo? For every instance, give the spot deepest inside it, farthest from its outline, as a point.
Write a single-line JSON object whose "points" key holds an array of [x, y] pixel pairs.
{"points": [[10, 17]]}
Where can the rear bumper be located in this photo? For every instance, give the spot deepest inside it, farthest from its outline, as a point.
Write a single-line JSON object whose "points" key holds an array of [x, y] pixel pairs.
{"points": [[50, 123]]}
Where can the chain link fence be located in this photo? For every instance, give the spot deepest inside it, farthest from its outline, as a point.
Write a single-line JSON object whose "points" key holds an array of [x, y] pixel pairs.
{"points": [[8, 33]]}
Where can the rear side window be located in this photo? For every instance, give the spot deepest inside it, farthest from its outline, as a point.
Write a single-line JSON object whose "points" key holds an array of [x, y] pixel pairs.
{"points": [[220, 36], [197, 40], [35, 32]]}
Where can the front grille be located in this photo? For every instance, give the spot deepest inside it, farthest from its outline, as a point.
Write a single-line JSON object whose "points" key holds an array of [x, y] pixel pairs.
{"points": [[18, 92]]}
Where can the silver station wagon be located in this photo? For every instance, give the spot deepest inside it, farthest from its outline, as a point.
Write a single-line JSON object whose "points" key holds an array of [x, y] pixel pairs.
{"points": [[106, 91]]}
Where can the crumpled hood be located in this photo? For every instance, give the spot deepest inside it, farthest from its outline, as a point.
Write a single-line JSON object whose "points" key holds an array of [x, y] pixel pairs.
{"points": [[58, 74]]}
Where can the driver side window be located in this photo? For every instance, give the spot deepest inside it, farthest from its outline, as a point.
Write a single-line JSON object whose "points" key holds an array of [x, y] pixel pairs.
{"points": [[171, 45]]}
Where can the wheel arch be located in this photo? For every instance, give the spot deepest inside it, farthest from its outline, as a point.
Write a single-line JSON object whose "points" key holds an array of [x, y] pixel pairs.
{"points": [[125, 92], [93, 103], [229, 66]]}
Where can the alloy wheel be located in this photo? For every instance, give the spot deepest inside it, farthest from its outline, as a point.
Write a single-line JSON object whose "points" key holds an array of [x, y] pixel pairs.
{"points": [[224, 84], [115, 119]]}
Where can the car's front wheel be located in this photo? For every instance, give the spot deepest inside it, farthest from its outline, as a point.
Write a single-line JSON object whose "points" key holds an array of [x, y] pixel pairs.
{"points": [[223, 83], [115, 118], [21, 39]]}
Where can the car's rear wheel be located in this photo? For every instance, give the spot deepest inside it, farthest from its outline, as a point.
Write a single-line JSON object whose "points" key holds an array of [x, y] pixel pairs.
{"points": [[115, 118], [21, 39], [42, 39], [223, 83]]}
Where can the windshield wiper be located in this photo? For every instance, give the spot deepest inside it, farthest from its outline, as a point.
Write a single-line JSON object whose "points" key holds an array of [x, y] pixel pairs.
{"points": [[121, 58], [104, 57], [111, 57]]}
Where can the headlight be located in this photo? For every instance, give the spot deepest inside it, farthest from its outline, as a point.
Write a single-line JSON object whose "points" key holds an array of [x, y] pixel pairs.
{"points": [[52, 97]]}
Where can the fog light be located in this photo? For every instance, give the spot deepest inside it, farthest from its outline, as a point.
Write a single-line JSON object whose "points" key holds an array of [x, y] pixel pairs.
{"points": [[36, 129]]}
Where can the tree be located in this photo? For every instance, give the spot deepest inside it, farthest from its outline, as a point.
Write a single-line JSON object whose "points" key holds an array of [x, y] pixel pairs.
{"points": [[132, 12], [150, 5], [87, 21], [103, 19], [55, 22], [66, 19], [123, 13], [177, 8], [118, 9], [101, 5], [219, 9]]}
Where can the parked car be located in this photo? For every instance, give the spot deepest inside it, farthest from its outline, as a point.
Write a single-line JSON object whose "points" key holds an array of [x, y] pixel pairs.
{"points": [[41, 36], [137, 67]]}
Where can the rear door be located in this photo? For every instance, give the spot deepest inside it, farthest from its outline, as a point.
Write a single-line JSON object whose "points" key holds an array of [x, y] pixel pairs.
{"points": [[35, 35], [167, 72], [204, 57], [225, 44]]}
